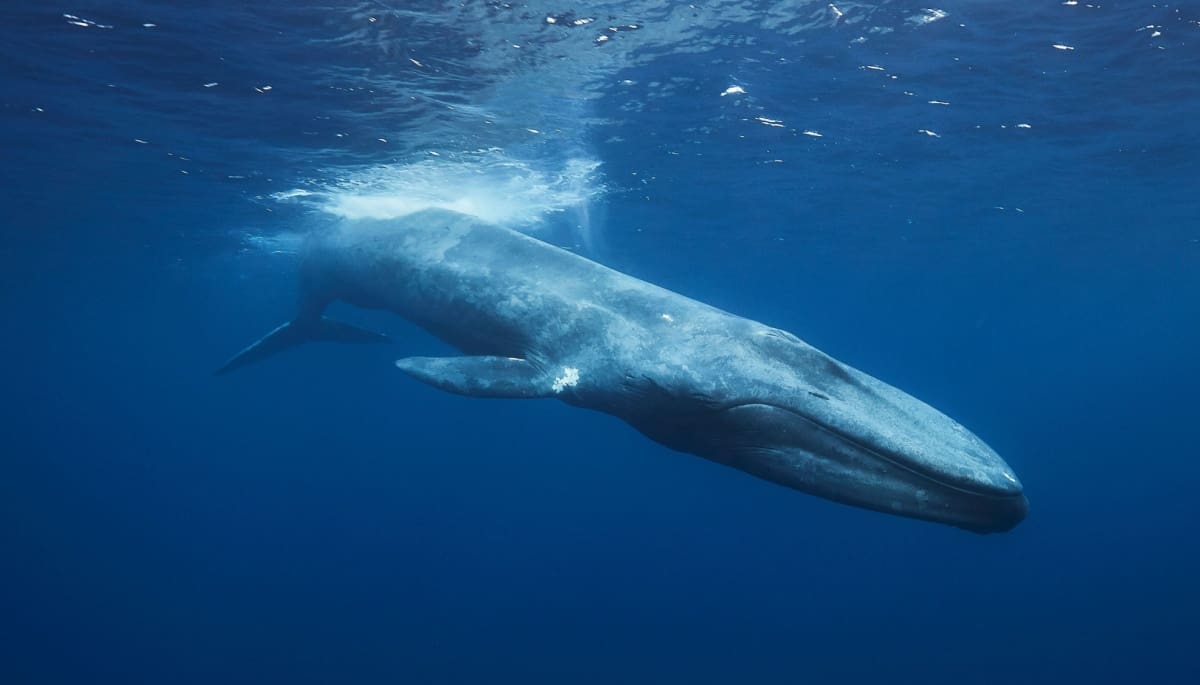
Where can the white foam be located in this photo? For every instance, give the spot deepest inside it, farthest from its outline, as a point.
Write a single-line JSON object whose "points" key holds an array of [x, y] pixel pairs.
{"points": [[486, 185], [927, 16], [284, 243]]}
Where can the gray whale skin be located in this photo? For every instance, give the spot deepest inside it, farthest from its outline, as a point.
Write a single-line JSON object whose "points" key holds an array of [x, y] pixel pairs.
{"points": [[534, 320]]}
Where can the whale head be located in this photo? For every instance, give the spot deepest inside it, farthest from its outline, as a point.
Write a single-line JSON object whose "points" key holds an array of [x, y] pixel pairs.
{"points": [[787, 412]]}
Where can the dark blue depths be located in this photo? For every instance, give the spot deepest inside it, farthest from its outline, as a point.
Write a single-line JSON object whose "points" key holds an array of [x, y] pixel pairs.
{"points": [[321, 518]]}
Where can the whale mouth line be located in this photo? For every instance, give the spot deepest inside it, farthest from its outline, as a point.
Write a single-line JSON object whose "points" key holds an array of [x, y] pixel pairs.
{"points": [[890, 459]]}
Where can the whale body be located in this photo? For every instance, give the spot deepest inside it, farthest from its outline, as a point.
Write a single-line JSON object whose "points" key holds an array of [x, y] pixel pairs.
{"points": [[536, 321]]}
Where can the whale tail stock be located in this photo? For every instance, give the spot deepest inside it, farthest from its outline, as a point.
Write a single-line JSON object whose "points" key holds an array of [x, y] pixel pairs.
{"points": [[301, 330]]}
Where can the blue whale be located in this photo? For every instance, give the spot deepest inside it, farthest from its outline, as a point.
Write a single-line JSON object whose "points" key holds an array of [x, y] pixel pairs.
{"points": [[534, 320]]}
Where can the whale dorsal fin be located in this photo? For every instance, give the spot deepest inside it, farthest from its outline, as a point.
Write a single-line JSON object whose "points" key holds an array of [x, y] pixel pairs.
{"points": [[481, 376]]}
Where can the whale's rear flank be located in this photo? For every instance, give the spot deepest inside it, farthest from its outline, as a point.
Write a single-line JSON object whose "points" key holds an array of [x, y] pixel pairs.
{"points": [[296, 332]]}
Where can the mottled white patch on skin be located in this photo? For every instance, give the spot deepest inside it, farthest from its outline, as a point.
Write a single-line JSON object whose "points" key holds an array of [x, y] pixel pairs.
{"points": [[667, 317], [568, 379]]}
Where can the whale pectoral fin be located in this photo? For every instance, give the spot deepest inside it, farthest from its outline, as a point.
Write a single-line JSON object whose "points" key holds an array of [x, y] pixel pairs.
{"points": [[479, 376]]}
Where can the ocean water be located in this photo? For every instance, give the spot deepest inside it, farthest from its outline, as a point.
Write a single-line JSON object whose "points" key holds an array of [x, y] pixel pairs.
{"points": [[992, 206]]}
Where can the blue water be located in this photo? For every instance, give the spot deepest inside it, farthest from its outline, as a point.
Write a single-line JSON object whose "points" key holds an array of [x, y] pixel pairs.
{"points": [[945, 199]]}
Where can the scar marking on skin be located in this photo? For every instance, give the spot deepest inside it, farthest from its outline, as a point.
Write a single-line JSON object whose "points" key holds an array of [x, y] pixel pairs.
{"points": [[568, 379]]}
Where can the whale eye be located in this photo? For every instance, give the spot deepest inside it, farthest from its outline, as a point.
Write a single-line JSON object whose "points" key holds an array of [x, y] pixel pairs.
{"points": [[814, 393]]}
